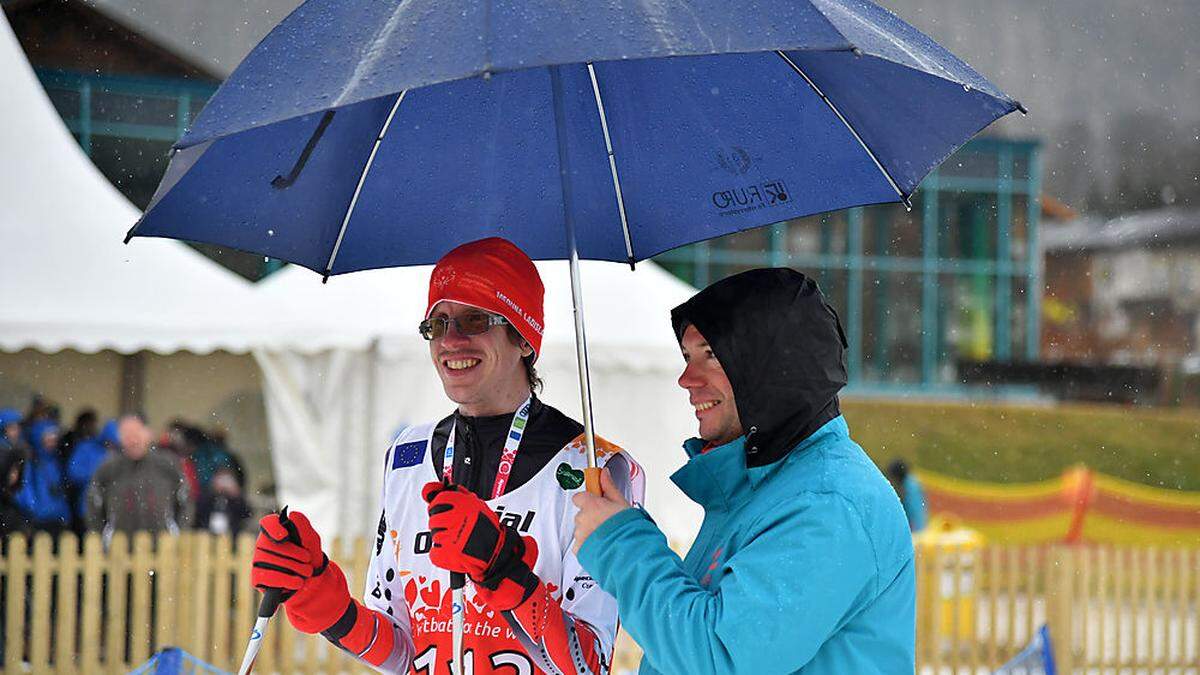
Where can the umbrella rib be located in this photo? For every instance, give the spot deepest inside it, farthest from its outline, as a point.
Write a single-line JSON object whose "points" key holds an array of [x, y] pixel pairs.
{"points": [[362, 178], [612, 165], [832, 106]]}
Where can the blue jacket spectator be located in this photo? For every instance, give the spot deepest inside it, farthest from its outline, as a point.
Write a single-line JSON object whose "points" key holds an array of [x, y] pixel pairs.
{"points": [[912, 497], [86, 458], [10, 428], [42, 496]]}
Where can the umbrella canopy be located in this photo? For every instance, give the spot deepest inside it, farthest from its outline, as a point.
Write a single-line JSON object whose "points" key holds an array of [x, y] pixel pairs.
{"points": [[360, 135]]}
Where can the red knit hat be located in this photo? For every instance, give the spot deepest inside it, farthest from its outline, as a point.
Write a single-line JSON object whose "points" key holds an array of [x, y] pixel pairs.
{"points": [[495, 276]]}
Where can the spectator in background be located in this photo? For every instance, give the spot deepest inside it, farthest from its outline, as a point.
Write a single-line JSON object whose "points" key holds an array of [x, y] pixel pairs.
{"points": [[177, 439], [222, 508], [83, 431], [220, 436], [10, 429], [207, 457], [40, 409], [912, 497], [12, 519], [86, 457], [42, 495], [139, 489]]}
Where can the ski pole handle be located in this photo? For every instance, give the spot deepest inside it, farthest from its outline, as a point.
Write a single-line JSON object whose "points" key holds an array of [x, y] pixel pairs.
{"points": [[272, 597], [267, 606]]}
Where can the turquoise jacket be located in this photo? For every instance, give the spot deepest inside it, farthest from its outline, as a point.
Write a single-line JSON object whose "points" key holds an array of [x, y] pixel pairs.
{"points": [[804, 565]]}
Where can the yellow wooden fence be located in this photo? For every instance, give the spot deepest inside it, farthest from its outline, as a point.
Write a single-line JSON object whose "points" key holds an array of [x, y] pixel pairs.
{"points": [[1110, 609], [107, 611]]}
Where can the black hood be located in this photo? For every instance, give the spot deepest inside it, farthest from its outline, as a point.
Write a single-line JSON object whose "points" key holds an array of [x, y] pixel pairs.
{"points": [[783, 349]]}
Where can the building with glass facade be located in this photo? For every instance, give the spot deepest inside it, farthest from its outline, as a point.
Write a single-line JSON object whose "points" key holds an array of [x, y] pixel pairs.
{"points": [[955, 279]]}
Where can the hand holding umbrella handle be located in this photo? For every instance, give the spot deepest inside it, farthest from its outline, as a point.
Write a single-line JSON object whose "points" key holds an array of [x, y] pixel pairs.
{"points": [[267, 606], [591, 480]]}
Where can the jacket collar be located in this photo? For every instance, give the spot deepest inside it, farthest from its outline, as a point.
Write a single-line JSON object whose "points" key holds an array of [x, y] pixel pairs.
{"points": [[719, 479]]}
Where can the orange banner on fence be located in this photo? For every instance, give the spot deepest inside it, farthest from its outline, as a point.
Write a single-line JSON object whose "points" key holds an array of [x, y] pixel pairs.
{"points": [[1081, 505]]}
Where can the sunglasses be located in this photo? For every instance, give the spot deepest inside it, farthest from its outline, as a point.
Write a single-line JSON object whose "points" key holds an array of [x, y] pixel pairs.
{"points": [[474, 323]]}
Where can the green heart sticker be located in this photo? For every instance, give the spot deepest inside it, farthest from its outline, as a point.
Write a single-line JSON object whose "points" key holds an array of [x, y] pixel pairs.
{"points": [[568, 477]]}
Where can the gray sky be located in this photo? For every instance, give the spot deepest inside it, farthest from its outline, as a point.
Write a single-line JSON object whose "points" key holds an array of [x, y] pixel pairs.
{"points": [[1112, 86]]}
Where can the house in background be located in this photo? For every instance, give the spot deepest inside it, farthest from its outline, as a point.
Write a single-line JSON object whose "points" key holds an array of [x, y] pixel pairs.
{"points": [[1125, 291]]}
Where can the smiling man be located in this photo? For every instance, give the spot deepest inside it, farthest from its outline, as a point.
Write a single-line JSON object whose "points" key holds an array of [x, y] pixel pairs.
{"points": [[803, 562], [485, 491]]}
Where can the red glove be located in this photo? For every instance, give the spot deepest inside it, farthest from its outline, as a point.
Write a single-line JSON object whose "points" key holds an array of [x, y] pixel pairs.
{"points": [[468, 537], [315, 594], [286, 554]]}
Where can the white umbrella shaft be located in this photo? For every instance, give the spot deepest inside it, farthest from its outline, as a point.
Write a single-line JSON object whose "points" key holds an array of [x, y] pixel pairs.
{"points": [[592, 475]]}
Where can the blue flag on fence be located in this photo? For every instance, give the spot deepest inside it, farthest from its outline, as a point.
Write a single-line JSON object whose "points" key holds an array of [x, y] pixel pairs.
{"points": [[175, 661], [1035, 659]]}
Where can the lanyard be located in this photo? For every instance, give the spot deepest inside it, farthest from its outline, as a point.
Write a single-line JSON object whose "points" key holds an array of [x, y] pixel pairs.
{"points": [[507, 458]]}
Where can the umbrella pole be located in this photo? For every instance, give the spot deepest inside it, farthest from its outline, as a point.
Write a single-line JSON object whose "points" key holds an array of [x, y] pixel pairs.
{"points": [[592, 473]]}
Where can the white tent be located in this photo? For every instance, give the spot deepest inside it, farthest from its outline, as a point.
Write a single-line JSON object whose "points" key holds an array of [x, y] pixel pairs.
{"points": [[67, 280], [92, 323], [346, 369]]}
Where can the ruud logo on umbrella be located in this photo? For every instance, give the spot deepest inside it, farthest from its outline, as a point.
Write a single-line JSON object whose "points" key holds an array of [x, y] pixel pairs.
{"points": [[747, 198], [737, 161]]}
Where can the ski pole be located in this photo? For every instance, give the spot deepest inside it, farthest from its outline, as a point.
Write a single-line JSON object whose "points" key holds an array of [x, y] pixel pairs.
{"points": [[267, 606], [457, 609]]}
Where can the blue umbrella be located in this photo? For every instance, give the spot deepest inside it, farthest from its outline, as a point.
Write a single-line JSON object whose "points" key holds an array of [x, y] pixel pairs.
{"points": [[369, 133], [362, 134]]}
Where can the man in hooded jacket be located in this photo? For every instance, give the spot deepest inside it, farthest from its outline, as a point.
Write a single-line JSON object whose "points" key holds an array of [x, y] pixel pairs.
{"points": [[804, 561]]}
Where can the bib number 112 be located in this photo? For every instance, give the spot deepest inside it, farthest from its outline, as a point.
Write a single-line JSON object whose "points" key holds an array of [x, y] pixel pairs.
{"points": [[426, 662]]}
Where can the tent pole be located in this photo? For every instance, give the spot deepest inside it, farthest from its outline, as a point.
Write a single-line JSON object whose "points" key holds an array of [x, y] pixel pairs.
{"points": [[592, 475]]}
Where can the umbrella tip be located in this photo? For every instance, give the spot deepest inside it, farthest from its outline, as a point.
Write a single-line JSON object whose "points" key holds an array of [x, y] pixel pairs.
{"points": [[1022, 109], [325, 278], [129, 234], [907, 204], [632, 263]]}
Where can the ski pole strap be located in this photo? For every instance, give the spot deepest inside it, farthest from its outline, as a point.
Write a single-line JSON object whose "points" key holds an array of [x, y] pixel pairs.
{"points": [[516, 431]]}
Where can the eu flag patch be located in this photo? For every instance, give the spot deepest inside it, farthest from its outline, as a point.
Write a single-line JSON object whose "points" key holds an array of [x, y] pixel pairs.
{"points": [[409, 454]]}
